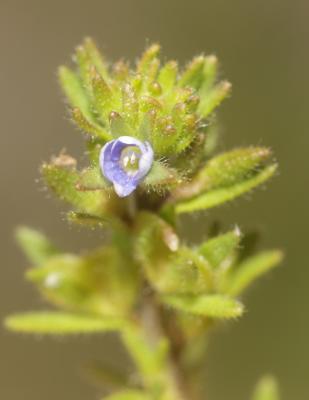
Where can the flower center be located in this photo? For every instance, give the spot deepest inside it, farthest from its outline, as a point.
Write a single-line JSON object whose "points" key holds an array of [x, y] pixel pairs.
{"points": [[129, 159]]}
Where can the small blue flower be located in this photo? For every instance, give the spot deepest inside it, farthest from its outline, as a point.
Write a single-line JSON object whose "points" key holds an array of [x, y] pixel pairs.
{"points": [[125, 162]]}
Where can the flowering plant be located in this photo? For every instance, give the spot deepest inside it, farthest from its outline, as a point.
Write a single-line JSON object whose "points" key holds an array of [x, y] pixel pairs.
{"points": [[150, 134]]}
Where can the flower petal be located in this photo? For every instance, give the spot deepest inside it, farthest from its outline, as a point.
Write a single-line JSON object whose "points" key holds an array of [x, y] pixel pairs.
{"points": [[110, 162]]}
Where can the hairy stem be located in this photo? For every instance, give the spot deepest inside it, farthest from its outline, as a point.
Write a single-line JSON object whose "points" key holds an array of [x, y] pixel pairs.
{"points": [[150, 348]]}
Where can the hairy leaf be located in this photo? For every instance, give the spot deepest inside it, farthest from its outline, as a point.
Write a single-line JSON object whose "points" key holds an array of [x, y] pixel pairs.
{"points": [[88, 126], [92, 179], [103, 281], [213, 306], [219, 196], [60, 323], [36, 246], [63, 178], [96, 57], [193, 74], [214, 98], [73, 89], [218, 249], [161, 177], [251, 269]]}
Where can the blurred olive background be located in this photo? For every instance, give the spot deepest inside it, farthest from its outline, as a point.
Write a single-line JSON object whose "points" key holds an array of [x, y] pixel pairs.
{"points": [[263, 49]]}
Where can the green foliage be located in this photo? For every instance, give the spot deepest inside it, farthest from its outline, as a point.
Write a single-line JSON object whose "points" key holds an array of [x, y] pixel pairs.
{"points": [[61, 323], [63, 178], [160, 293], [103, 281], [219, 249], [219, 196], [251, 269], [170, 267], [267, 389], [35, 245], [213, 306], [150, 357]]}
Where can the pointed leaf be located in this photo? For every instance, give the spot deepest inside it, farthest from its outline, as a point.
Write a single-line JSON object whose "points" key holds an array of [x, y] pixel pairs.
{"points": [[96, 57], [218, 249], [61, 323], [89, 127], [214, 98], [213, 306], [73, 89], [36, 246], [103, 96], [167, 76], [148, 56], [161, 177], [251, 269], [209, 75], [232, 167], [62, 177], [225, 170], [193, 74], [216, 197]]}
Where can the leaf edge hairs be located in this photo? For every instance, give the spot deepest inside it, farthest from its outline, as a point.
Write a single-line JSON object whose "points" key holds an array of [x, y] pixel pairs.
{"points": [[151, 133]]}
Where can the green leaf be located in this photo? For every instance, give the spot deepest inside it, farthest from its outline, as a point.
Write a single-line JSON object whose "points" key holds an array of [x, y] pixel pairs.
{"points": [[103, 96], [87, 220], [104, 281], [89, 127], [232, 167], [214, 98], [167, 76], [36, 246], [225, 170], [74, 91], [118, 126], [213, 306], [218, 249], [193, 74], [129, 395], [251, 269], [161, 177], [169, 267], [149, 356], [147, 58], [156, 242], [96, 57], [266, 389], [130, 105], [92, 179], [216, 197], [209, 75], [62, 177], [60, 323]]}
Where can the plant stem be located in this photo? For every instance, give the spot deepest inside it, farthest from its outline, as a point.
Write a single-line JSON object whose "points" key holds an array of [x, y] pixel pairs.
{"points": [[148, 340], [156, 369]]}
